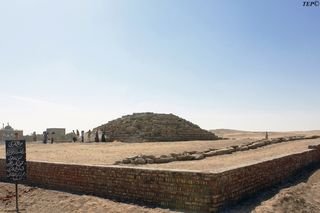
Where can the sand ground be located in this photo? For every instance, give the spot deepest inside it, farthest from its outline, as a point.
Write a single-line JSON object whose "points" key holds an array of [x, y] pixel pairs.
{"points": [[226, 162], [108, 153], [238, 134]]}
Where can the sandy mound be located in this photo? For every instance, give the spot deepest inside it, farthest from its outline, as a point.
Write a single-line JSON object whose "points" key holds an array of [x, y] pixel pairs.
{"points": [[140, 127]]}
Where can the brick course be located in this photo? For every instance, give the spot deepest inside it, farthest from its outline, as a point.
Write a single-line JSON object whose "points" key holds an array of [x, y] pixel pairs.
{"points": [[177, 189]]}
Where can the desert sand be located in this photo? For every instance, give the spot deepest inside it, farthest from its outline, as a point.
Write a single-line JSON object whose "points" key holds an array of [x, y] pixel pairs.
{"points": [[108, 153], [238, 134], [226, 162]]}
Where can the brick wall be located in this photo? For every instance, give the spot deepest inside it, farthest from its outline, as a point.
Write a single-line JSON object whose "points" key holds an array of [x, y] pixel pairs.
{"points": [[233, 185], [186, 190]]}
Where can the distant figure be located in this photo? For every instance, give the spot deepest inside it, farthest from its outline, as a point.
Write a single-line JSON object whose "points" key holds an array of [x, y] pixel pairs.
{"points": [[82, 136], [89, 135], [96, 139], [34, 136], [78, 134], [52, 139], [16, 136], [45, 137], [103, 137], [267, 136]]}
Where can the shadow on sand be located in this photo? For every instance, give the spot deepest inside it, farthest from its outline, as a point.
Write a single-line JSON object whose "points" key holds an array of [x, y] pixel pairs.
{"points": [[250, 203]]}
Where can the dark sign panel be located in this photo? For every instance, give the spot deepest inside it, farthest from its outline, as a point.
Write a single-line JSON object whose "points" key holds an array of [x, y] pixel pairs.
{"points": [[16, 160]]}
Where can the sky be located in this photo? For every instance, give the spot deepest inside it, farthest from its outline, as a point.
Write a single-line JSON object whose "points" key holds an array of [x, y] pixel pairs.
{"points": [[237, 64]]}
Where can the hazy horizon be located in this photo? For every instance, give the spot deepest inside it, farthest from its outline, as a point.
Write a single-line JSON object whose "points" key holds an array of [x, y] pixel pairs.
{"points": [[244, 65]]}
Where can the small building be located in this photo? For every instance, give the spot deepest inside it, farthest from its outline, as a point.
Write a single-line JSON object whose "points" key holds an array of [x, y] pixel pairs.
{"points": [[9, 133], [56, 133]]}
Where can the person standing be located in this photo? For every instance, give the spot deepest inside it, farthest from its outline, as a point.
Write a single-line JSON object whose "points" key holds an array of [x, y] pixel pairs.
{"points": [[96, 139], [52, 137], [78, 134], [89, 135], [34, 136], [82, 136], [267, 136], [45, 137]]}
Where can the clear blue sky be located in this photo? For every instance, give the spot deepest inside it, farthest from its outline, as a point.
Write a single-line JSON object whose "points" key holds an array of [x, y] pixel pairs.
{"points": [[241, 64]]}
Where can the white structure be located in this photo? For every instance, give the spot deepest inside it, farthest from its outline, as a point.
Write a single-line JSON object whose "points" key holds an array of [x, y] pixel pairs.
{"points": [[56, 133], [8, 133]]}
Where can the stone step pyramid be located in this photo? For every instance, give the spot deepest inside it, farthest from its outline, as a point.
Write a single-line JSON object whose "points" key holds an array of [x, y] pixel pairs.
{"points": [[150, 127]]}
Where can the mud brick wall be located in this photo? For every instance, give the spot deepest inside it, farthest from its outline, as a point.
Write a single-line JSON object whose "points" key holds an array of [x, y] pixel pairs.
{"points": [[172, 189], [185, 190], [233, 185]]}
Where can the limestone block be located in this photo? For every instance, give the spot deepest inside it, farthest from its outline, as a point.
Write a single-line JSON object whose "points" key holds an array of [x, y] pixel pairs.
{"points": [[139, 161]]}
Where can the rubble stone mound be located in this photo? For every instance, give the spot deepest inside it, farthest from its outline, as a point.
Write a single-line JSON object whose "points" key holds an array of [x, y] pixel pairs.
{"points": [[148, 127]]}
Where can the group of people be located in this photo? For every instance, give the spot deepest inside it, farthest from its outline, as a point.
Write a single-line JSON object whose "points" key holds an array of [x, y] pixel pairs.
{"points": [[45, 137], [76, 136]]}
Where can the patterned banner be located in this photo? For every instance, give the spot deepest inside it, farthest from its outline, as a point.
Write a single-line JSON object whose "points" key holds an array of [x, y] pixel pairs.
{"points": [[16, 160]]}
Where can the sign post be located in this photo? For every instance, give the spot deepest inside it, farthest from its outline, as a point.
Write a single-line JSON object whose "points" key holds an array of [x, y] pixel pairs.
{"points": [[16, 165], [17, 197]]}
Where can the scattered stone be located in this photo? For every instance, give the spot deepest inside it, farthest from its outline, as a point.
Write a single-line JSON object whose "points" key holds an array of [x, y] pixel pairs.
{"points": [[276, 140], [149, 160], [243, 148], [164, 160], [210, 154], [224, 151], [126, 161], [133, 157], [257, 145], [198, 156], [148, 156], [235, 147], [139, 161], [184, 157], [313, 137]]}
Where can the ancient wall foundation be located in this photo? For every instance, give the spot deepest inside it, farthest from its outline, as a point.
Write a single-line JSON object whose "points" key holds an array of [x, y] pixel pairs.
{"points": [[185, 190]]}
